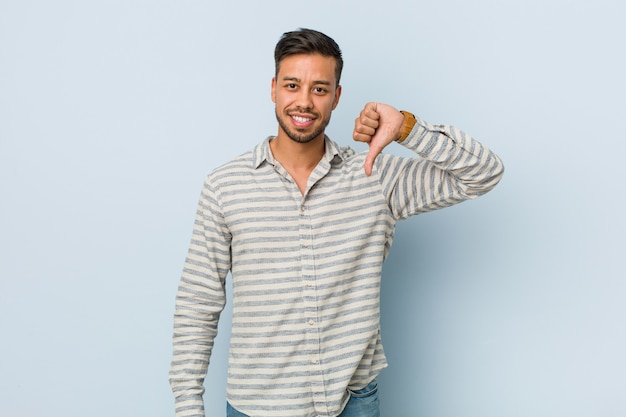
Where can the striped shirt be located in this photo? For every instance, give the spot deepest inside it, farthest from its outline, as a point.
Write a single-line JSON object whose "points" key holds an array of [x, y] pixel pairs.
{"points": [[306, 268]]}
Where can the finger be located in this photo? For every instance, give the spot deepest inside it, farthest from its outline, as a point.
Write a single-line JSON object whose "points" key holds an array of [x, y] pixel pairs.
{"points": [[369, 116], [371, 110], [370, 158], [360, 137], [363, 133], [365, 120], [364, 128]]}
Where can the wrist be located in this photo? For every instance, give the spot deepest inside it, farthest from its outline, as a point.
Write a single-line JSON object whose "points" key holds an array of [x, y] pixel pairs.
{"points": [[407, 125]]}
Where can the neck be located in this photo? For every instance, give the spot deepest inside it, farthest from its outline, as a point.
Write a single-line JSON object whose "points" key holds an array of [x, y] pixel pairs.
{"points": [[294, 155]]}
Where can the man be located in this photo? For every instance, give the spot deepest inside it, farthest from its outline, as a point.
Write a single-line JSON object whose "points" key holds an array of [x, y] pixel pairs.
{"points": [[304, 225]]}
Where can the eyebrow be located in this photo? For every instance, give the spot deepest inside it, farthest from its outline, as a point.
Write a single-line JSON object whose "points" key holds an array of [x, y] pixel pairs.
{"points": [[296, 79]]}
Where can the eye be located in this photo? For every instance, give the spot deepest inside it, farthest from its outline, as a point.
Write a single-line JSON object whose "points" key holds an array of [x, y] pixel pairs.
{"points": [[320, 90], [291, 86]]}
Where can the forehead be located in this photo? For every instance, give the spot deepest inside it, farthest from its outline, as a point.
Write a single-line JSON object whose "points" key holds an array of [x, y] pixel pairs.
{"points": [[308, 66]]}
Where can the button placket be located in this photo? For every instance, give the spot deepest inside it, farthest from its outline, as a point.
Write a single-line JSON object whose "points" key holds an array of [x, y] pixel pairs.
{"points": [[310, 308]]}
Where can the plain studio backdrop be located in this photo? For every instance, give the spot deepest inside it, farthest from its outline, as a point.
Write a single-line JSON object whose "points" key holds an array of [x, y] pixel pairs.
{"points": [[112, 112]]}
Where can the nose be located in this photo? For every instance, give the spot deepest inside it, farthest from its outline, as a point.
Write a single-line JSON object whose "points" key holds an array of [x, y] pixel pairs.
{"points": [[303, 99]]}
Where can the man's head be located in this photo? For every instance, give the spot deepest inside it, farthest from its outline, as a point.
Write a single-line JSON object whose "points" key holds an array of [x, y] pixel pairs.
{"points": [[308, 42], [306, 86]]}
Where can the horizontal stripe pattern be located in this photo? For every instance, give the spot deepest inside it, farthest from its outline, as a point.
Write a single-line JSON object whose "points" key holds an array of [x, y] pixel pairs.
{"points": [[306, 269]]}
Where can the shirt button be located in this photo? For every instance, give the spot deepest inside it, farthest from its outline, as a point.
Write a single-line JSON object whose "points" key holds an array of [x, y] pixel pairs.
{"points": [[311, 322], [314, 362]]}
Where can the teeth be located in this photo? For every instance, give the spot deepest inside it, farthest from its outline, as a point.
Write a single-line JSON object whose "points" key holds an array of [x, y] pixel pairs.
{"points": [[300, 119]]}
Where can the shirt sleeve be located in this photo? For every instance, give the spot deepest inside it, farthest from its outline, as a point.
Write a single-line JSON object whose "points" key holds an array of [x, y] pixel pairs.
{"points": [[199, 302], [451, 167]]}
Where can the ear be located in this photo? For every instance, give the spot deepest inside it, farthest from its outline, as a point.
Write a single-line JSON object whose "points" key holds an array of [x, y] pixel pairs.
{"points": [[274, 89], [337, 95]]}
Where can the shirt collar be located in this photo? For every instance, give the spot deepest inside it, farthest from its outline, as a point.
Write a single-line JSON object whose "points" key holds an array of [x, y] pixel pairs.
{"points": [[262, 152]]}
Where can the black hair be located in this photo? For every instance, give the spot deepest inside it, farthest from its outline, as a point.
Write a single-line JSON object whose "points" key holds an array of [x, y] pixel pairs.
{"points": [[308, 41]]}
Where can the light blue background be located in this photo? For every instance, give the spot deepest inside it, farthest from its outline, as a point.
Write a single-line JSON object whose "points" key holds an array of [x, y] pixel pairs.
{"points": [[112, 112]]}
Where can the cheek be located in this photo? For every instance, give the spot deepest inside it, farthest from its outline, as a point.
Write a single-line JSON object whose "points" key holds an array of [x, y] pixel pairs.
{"points": [[330, 105]]}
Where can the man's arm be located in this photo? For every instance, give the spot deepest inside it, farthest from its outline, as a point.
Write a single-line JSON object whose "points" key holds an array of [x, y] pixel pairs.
{"points": [[199, 303], [452, 167]]}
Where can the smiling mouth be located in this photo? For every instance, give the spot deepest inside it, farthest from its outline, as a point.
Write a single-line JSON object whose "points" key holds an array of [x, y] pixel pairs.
{"points": [[302, 121]]}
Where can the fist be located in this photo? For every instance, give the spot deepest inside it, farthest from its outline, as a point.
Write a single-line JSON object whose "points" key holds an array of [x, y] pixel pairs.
{"points": [[377, 125]]}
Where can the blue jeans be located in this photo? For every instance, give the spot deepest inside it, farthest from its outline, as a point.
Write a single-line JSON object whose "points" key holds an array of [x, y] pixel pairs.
{"points": [[362, 403]]}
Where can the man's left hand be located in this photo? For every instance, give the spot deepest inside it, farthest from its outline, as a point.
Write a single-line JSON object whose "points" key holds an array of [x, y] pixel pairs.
{"points": [[377, 125]]}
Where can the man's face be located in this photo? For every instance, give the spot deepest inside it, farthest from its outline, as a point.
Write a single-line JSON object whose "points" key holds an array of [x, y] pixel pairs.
{"points": [[305, 92]]}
